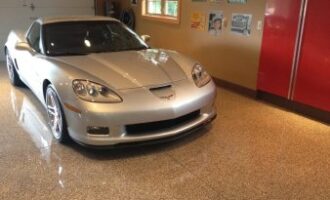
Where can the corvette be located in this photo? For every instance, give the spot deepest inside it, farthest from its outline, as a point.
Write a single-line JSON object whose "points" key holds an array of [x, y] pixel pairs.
{"points": [[102, 85]]}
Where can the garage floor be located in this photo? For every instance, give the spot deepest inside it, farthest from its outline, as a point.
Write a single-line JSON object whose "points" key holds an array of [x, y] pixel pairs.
{"points": [[252, 151]]}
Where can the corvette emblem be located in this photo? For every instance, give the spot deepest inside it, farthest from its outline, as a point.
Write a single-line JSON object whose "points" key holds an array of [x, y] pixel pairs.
{"points": [[166, 94], [167, 97]]}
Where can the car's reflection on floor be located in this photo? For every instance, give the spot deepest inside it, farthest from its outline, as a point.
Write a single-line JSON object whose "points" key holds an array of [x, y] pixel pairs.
{"points": [[30, 116]]}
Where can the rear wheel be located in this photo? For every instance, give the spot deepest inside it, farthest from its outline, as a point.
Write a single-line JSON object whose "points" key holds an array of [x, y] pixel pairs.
{"points": [[56, 118], [12, 73]]}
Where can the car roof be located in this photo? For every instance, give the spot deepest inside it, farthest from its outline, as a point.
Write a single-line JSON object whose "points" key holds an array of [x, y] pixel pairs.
{"points": [[58, 19]]}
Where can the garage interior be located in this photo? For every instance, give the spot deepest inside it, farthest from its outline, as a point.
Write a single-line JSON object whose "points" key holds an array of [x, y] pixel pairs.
{"points": [[270, 140]]}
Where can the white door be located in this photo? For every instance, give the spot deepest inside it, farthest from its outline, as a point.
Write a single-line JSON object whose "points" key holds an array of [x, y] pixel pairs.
{"points": [[19, 14]]}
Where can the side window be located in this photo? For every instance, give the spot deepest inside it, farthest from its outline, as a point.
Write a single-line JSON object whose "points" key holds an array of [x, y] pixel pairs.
{"points": [[33, 37]]}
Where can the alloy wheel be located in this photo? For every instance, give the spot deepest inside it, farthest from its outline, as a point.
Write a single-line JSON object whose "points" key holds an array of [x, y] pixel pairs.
{"points": [[10, 68], [54, 114]]}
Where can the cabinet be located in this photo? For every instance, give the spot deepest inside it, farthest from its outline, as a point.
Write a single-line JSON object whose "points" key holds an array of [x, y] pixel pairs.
{"points": [[278, 46], [312, 85], [295, 55]]}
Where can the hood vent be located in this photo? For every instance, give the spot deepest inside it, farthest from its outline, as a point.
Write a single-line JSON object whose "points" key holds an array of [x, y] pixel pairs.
{"points": [[161, 88], [165, 92]]}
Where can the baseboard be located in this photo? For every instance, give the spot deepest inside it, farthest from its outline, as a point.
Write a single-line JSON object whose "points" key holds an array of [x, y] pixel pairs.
{"points": [[236, 88], [296, 107], [299, 108]]}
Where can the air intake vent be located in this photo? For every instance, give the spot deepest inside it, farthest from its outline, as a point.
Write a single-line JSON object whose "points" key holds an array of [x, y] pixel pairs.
{"points": [[160, 88], [136, 129]]}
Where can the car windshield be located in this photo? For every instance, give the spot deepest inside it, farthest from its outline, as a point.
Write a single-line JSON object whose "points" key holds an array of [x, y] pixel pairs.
{"points": [[80, 38]]}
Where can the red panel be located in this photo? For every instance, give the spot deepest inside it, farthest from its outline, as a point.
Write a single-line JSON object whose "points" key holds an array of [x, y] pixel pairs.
{"points": [[280, 31], [313, 77]]}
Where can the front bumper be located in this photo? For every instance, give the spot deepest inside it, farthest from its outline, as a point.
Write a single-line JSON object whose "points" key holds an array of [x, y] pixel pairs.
{"points": [[139, 108], [150, 142]]}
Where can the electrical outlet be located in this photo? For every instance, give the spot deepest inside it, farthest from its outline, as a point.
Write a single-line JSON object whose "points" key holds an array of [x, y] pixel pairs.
{"points": [[259, 26]]}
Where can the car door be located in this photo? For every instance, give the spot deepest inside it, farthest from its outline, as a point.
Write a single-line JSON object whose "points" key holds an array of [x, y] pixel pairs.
{"points": [[28, 61]]}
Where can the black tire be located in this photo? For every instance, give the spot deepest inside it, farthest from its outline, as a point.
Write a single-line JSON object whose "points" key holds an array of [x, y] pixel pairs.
{"points": [[12, 72], [56, 118]]}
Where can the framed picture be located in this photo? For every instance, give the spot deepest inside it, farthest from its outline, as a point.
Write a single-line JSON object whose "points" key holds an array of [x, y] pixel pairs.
{"points": [[198, 21], [241, 24], [215, 23], [237, 1]]}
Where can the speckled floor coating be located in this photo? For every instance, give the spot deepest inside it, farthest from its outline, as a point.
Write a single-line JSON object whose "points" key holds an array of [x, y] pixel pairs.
{"points": [[252, 151]]}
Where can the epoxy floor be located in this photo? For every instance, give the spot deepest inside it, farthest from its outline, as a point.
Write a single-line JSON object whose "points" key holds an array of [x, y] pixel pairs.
{"points": [[252, 151]]}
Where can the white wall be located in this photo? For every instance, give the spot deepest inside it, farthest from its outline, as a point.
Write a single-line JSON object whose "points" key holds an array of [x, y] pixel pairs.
{"points": [[17, 14]]}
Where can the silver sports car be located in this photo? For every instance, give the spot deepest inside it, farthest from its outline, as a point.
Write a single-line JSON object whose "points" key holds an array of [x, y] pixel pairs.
{"points": [[101, 84]]}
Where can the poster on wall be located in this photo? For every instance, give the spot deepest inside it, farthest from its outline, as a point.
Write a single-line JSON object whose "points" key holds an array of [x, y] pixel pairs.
{"points": [[215, 23], [198, 21], [241, 24], [237, 1], [215, 1]]}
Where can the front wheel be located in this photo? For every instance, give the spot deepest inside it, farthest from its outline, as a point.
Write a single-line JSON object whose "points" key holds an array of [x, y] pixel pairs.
{"points": [[56, 118], [12, 73]]}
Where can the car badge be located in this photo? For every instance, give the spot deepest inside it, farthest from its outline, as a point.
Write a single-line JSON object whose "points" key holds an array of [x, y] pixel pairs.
{"points": [[167, 97]]}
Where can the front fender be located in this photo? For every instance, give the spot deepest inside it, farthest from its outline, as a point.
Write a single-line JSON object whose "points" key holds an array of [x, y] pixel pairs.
{"points": [[61, 75]]}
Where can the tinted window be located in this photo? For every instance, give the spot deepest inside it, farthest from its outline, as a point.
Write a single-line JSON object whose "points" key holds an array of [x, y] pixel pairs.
{"points": [[71, 38], [33, 36]]}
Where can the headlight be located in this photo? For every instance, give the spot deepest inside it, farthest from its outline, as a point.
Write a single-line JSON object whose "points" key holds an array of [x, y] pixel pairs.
{"points": [[94, 92], [200, 76]]}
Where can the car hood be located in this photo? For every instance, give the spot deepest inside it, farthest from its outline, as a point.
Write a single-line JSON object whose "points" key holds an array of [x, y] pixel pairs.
{"points": [[129, 69]]}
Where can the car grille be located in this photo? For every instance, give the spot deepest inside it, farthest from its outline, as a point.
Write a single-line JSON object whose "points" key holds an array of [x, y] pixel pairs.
{"points": [[161, 125]]}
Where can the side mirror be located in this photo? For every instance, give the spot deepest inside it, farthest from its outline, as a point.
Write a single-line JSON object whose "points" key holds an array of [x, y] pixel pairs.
{"points": [[23, 46], [146, 38]]}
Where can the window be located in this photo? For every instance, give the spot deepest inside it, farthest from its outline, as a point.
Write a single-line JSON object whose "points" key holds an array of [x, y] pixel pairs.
{"points": [[33, 36], [163, 10]]}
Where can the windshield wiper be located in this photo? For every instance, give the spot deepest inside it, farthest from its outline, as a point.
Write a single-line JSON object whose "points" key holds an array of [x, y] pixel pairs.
{"points": [[134, 49], [140, 48], [119, 50], [70, 54]]}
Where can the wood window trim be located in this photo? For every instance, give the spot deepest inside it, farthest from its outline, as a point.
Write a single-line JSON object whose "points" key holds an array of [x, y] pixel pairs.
{"points": [[161, 17]]}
